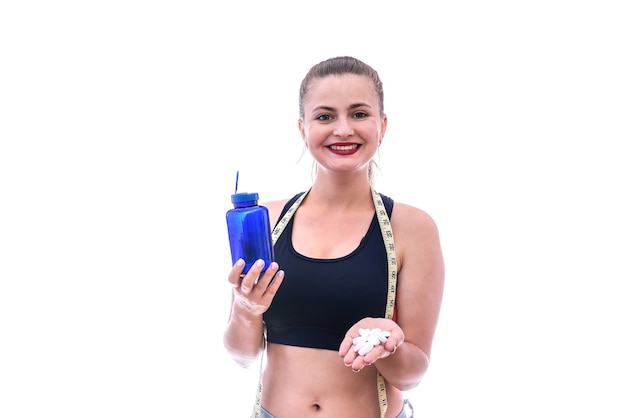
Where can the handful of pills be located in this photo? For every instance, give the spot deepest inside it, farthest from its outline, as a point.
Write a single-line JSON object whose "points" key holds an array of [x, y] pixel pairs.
{"points": [[368, 339]]}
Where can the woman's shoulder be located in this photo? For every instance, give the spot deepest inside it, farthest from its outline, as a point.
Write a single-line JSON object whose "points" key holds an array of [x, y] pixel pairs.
{"points": [[417, 241], [280, 204], [412, 219], [276, 207]]}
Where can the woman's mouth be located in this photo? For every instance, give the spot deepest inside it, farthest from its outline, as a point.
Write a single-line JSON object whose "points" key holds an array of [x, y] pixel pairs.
{"points": [[343, 149]]}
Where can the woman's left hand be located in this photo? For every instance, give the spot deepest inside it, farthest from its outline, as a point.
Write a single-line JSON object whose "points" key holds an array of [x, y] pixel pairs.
{"points": [[384, 349]]}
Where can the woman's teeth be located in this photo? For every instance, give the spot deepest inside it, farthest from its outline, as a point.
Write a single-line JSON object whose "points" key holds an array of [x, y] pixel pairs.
{"points": [[343, 147]]}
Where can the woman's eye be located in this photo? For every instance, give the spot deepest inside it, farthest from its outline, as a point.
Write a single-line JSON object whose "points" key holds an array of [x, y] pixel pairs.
{"points": [[323, 118], [360, 115]]}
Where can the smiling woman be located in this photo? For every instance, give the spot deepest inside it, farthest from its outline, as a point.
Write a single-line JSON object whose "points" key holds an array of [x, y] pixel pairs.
{"points": [[122, 122], [374, 264], [342, 107]]}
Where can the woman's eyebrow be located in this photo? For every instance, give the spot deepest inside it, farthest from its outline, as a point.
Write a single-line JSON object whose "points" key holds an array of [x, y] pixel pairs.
{"points": [[352, 106]]}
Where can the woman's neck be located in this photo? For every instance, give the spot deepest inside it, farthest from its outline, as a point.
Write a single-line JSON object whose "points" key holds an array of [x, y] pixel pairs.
{"points": [[341, 192]]}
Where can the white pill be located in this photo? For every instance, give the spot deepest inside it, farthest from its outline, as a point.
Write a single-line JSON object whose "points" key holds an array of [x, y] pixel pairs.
{"points": [[373, 339], [358, 340], [367, 347]]}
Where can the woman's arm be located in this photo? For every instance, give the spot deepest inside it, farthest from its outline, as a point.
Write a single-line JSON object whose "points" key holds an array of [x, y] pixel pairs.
{"points": [[244, 333], [418, 296], [404, 358], [243, 336]]}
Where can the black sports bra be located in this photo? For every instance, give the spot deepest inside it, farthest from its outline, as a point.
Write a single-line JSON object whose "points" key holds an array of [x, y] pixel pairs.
{"points": [[320, 299]]}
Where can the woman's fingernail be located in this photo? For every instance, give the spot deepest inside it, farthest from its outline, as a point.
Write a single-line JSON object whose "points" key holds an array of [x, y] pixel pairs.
{"points": [[260, 263], [240, 263]]}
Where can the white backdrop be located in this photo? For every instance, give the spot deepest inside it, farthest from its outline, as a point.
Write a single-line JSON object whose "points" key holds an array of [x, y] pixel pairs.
{"points": [[122, 125]]}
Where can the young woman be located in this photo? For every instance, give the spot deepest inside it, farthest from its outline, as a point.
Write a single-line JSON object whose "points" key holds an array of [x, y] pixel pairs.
{"points": [[348, 261]]}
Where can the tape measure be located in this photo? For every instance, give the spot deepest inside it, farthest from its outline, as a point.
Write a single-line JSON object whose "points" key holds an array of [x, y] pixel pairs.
{"points": [[392, 276]]}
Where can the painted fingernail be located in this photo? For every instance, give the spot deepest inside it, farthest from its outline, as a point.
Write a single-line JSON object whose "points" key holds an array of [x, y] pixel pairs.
{"points": [[260, 263], [240, 263]]}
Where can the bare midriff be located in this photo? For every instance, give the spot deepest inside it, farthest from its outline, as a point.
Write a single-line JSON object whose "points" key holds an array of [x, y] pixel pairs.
{"points": [[309, 382]]}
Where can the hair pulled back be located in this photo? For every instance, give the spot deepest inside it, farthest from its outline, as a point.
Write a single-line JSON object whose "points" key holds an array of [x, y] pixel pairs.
{"points": [[338, 66]]}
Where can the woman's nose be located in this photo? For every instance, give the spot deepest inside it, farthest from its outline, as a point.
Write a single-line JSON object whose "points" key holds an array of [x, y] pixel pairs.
{"points": [[343, 128]]}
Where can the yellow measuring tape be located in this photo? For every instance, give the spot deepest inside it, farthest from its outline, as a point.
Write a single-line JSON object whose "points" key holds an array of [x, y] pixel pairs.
{"points": [[392, 275]]}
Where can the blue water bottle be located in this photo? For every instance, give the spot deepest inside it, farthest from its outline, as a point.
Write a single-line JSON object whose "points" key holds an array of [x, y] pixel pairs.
{"points": [[249, 230]]}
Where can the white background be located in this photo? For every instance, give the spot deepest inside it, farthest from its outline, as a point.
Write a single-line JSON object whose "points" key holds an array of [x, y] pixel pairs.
{"points": [[122, 124]]}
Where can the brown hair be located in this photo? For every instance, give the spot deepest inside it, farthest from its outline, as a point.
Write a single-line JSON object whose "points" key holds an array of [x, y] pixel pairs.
{"points": [[338, 66]]}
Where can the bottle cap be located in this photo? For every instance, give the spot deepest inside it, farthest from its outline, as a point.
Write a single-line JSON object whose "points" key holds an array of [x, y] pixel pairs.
{"points": [[244, 197]]}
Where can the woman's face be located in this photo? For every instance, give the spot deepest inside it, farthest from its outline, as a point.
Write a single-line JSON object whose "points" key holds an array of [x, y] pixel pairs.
{"points": [[342, 124]]}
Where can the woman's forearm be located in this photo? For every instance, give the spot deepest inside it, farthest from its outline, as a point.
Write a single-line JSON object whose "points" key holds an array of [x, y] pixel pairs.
{"points": [[405, 368], [243, 336]]}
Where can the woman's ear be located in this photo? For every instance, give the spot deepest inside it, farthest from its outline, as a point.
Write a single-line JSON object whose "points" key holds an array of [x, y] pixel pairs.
{"points": [[383, 129], [302, 133]]}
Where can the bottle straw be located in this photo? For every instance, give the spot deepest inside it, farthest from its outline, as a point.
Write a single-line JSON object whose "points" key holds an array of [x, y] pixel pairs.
{"points": [[236, 181]]}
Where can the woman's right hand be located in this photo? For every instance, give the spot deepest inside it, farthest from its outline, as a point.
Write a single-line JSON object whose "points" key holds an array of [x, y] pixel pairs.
{"points": [[254, 291]]}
